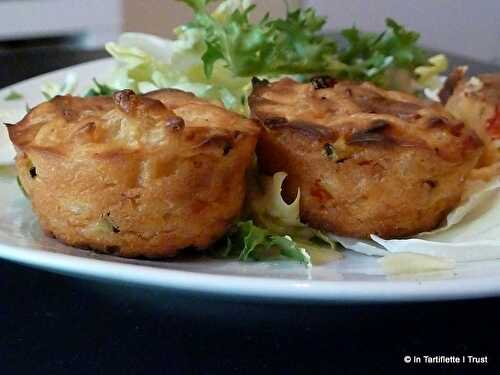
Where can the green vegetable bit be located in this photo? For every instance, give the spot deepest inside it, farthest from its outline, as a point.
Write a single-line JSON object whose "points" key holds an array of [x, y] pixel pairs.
{"points": [[21, 187], [13, 95], [366, 56], [100, 89], [250, 242], [296, 45], [216, 55]]}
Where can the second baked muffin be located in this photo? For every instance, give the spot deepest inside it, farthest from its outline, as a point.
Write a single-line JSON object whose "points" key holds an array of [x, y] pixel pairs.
{"points": [[366, 161]]}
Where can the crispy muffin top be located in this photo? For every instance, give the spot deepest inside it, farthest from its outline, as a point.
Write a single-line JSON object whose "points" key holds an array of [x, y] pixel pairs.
{"points": [[360, 115], [125, 121], [199, 113]]}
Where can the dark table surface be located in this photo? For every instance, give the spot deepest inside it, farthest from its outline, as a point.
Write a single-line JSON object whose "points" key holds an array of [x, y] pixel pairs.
{"points": [[54, 324]]}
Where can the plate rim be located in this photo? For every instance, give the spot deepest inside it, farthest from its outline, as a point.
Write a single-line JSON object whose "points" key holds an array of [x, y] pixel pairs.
{"points": [[255, 287], [43, 76]]}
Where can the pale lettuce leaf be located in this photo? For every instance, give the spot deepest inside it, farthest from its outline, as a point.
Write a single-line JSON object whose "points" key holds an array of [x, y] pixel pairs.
{"points": [[147, 63], [67, 87]]}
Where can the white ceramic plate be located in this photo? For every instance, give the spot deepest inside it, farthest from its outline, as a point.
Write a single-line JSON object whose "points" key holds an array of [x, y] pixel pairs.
{"points": [[356, 278]]}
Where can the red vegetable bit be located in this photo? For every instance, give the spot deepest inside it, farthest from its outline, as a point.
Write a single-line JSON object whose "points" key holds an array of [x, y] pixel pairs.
{"points": [[493, 126]]}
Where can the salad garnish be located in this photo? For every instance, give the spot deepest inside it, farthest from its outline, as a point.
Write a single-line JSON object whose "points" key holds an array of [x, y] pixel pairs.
{"points": [[273, 228], [217, 54]]}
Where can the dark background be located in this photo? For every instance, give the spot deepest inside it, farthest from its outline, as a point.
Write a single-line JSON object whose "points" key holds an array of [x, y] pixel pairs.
{"points": [[53, 324]]}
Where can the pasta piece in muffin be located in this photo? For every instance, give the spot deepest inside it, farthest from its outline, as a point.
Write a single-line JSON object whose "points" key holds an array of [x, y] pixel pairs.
{"points": [[129, 176]]}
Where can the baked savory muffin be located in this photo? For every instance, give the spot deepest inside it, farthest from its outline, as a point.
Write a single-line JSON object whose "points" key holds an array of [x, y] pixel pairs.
{"points": [[476, 101], [129, 176], [367, 161]]}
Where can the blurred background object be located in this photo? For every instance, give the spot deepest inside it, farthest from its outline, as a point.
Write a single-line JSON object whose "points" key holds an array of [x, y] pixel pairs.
{"points": [[459, 27], [91, 23], [162, 16], [33, 23]]}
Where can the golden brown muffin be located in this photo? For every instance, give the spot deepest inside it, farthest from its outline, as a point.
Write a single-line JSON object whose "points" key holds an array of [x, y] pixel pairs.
{"points": [[476, 102], [367, 161], [129, 176]]}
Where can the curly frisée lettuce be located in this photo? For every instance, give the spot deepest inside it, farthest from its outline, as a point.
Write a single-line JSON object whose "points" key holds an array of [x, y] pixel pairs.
{"points": [[372, 57], [250, 242], [292, 45], [217, 53], [275, 230]]}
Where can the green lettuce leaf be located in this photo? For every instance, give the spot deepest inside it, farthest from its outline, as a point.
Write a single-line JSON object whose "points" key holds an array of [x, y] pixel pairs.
{"points": [[275, 230], [13, 95], [249, 241], [293, 45], [216, 55], [368, 56], [100, 89]]}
